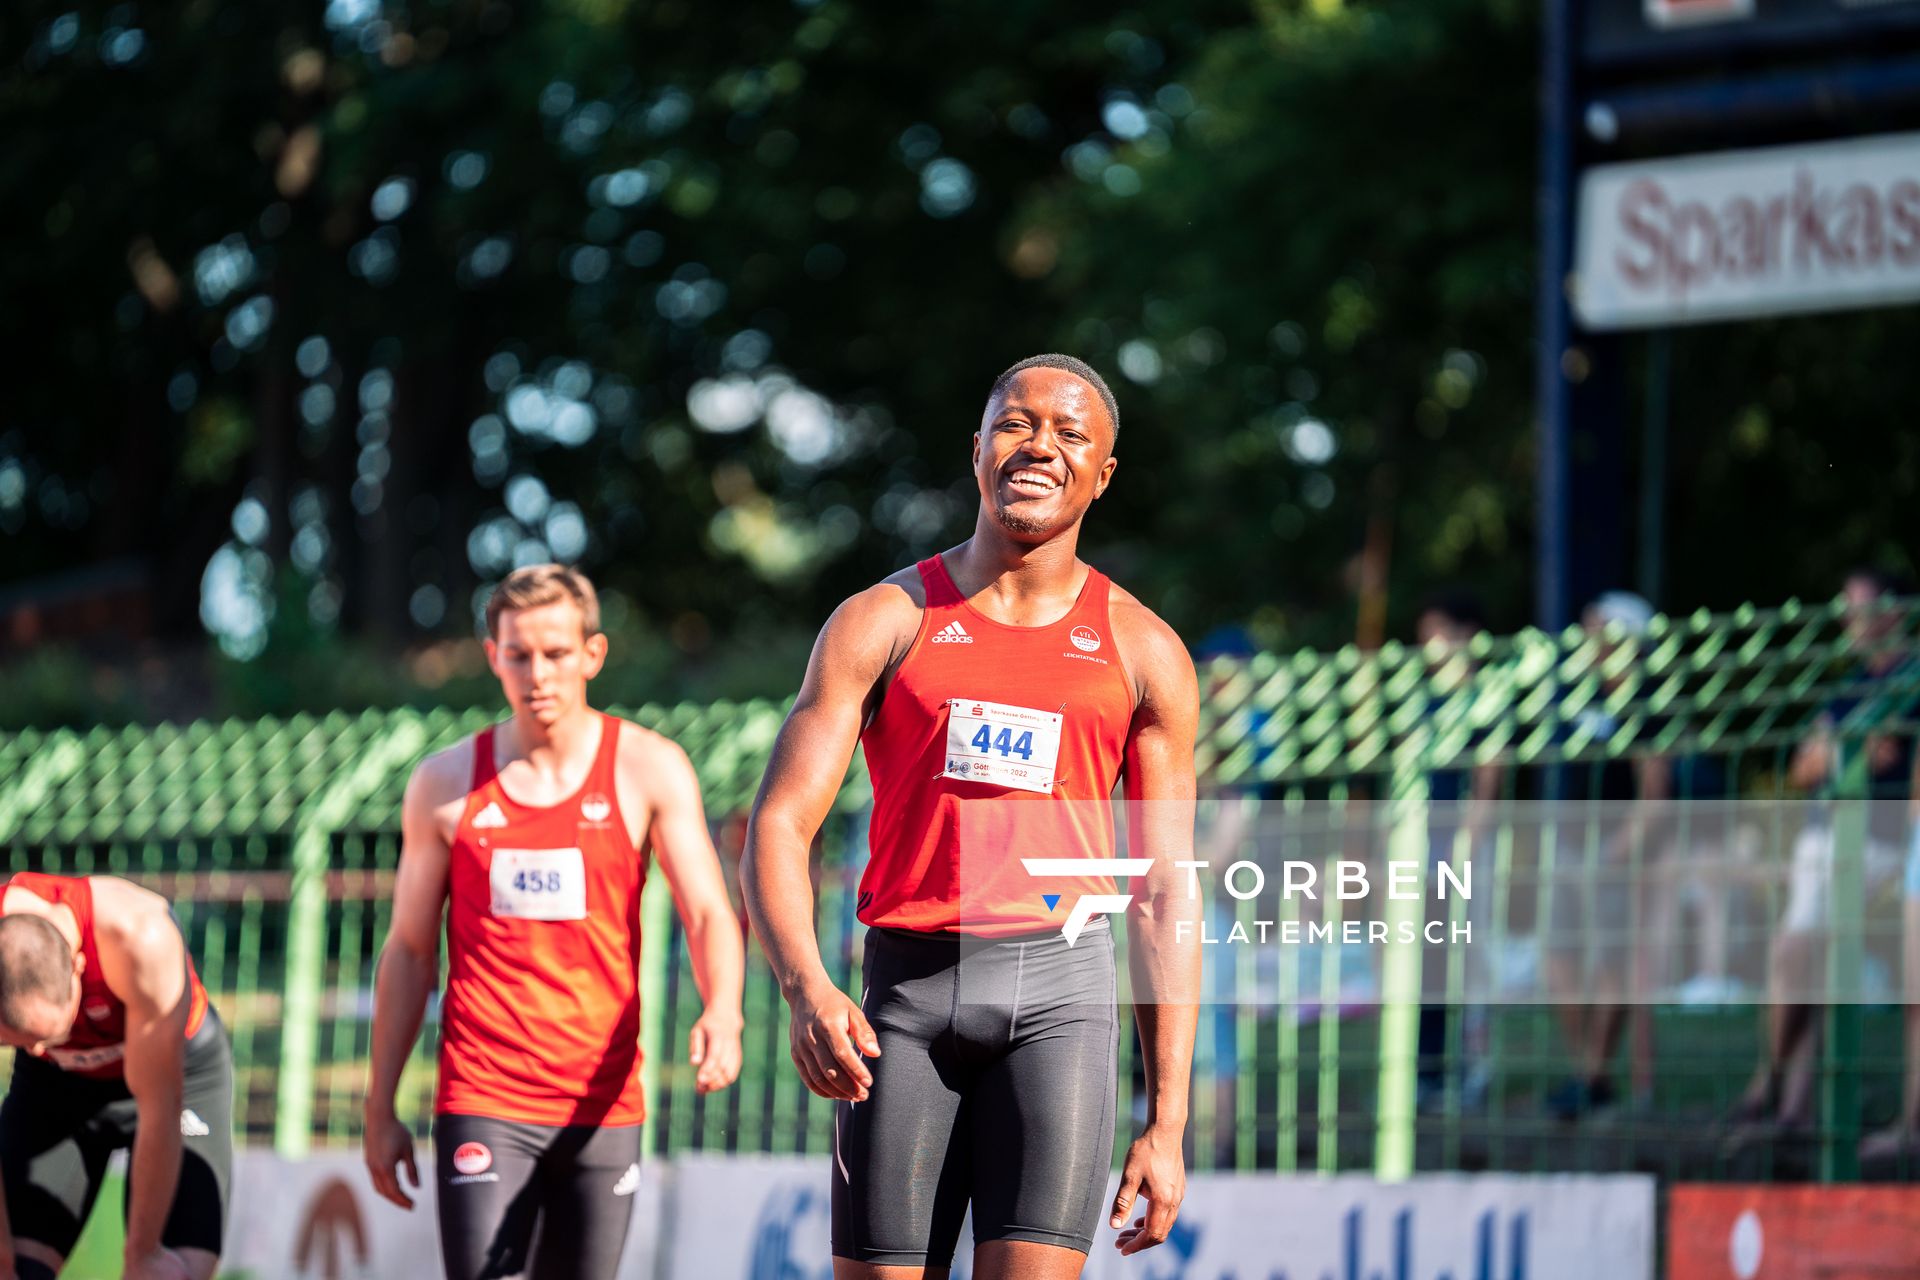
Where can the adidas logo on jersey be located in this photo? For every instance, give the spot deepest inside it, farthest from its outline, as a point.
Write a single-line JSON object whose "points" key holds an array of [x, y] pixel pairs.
{"points": [[952, 633], [629, 1181], [490, 816], [192, 1126]]}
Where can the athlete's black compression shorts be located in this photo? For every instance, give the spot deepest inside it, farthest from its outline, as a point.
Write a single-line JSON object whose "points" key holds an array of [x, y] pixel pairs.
{"points": [[58, 1129], [531, 1200], [994, 1085]]}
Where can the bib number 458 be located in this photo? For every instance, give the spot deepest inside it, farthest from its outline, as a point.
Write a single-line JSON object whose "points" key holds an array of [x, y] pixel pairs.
{"points": [[537, 882]]}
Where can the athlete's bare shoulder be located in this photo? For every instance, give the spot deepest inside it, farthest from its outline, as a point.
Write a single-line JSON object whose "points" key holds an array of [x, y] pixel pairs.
{"points": [[1155, 656], [125, 912], [437, 789], [898, 597], [645, 756], [872, 630]]}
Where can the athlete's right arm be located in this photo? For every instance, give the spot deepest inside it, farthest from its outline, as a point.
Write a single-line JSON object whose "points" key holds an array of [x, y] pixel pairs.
{"points": [[410, 962], [809, 762]]}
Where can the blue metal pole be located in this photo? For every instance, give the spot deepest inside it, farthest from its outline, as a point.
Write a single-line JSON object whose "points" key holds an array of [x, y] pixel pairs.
{"points": [[1553, 320]]}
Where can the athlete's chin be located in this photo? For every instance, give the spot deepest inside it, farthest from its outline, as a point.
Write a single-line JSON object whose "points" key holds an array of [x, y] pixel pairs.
{"points": [[1031, 526]]}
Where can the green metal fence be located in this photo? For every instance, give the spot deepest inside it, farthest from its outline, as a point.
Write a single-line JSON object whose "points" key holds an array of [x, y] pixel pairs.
{"points": [[277, 839]]}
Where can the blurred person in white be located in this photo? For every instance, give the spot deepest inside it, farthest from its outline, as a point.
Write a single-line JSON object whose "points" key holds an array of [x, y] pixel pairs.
{"points": [[1607, 847], [1461, 799], [1782, 1086], [1901, 1139]]}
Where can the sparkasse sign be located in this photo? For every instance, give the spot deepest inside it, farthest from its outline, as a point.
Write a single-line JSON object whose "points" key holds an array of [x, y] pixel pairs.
{"points": [[1680, 13], [1821, 227]]}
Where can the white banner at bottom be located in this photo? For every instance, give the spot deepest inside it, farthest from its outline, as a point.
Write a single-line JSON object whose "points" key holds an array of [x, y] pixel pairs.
{"points": [[767, 1218]]}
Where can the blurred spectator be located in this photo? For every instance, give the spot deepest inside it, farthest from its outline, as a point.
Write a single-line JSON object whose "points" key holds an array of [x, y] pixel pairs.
{"points": [[1461, 800], [1605, 849], [1782, 1084], [1902, 1137]]}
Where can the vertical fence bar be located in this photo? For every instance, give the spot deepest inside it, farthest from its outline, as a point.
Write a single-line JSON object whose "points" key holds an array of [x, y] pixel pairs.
{"points": [[1400, 976], [656, 923], [1327, 1046], [314, 826]]}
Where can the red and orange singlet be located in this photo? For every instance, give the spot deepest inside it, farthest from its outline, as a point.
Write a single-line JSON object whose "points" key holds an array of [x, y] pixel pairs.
{"points": [[541, 1020], [96, 1047], [993, 743]]}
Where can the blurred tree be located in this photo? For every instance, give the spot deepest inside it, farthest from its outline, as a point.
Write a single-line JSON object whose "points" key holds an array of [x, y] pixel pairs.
{"points": [[346, 311], [704, 296], [1319, 276]]}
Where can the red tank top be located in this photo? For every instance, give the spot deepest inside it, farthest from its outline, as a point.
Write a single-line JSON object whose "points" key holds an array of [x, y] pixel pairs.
{"points": [[963, 783], [541, 1021], [96, 1046]]}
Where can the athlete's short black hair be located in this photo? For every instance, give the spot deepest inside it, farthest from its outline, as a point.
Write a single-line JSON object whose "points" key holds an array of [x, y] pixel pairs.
{"points": [[35, 964], [1066, 364]]}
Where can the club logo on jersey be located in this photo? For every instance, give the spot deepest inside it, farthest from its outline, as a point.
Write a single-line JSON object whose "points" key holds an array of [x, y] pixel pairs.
{"points": [[596, 808], [99, 1011], [1085, 639], [192, 1126], [491, 816], [1091, 904], [629, 1181], [952, 633], [472, 1158]]}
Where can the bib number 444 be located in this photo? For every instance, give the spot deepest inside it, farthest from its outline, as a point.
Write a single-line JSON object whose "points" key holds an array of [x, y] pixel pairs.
{"points": [[1002, 745], [1005, 743]]}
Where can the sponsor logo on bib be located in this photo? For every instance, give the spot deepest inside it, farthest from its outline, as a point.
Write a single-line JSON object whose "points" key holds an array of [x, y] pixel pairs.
{"points": [[1085, 639], [471, 1158]]}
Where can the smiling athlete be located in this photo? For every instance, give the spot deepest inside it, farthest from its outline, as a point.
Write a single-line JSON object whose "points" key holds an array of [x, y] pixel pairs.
{"points": [[1002, 690], [115, 1045], [528, 838]]}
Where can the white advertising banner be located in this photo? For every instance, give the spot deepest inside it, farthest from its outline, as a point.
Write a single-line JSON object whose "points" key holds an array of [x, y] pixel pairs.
{"points": [[1821, 227], [318, 1219], [768, 1219]]}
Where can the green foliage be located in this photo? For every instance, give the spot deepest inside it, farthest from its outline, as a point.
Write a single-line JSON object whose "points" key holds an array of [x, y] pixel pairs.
{"points": [[707, 298], [52, 688]]}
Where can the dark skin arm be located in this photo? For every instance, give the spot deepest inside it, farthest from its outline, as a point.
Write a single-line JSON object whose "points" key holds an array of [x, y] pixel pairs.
{"points": [[1165, 968], [859, 645]]}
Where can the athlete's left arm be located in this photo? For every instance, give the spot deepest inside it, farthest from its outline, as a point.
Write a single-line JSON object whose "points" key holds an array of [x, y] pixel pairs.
{"points": [[1163, 957], [682, 844], [144, 961]]}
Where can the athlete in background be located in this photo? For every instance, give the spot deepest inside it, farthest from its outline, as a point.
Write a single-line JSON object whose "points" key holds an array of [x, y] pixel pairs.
{"points": [[115, 1046], [1001, 691], [528, 837]]}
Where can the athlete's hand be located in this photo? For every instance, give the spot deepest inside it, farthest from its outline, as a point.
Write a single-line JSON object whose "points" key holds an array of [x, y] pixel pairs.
{"points": [[1155, 1172], [160, 1264], [388, 1147], [826, 1026], [714, 1046]]}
